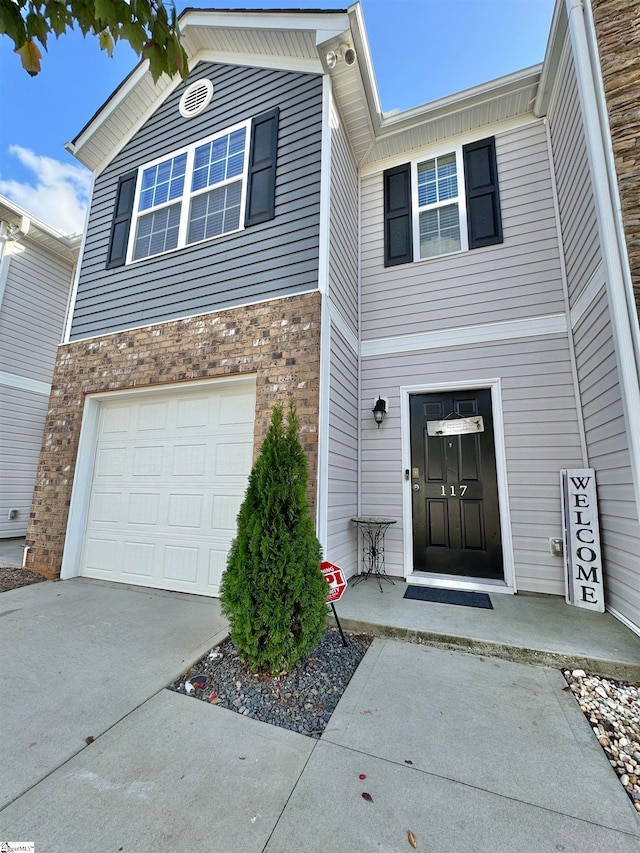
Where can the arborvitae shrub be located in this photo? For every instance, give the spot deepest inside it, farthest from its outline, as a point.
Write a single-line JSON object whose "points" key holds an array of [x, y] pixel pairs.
{"points": [[273, 592]]}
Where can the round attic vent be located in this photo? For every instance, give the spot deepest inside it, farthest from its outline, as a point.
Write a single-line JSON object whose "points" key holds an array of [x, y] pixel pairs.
{"points": [[196, 98]]}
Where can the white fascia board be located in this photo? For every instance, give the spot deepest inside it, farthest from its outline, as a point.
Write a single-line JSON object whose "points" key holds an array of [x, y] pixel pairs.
{"points": [[259, 60], [365, 63], [264, 20], [467, 99], [552, 57], [113, 102], [10, 211]]}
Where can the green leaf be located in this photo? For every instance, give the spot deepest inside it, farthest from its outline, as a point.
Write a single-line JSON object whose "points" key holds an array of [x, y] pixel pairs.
{"points": [[58, 16], [135, 34], [12, 23], [175, 56], [157, 59], [37, 28], [106, 42], [30, 56], [105, 12]]}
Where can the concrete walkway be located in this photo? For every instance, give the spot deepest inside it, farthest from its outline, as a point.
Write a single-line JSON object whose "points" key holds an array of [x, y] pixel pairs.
{"points": [[467, 752]]}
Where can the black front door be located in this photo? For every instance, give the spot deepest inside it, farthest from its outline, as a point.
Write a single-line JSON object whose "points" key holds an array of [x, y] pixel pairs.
{"points": [[456, 521]]}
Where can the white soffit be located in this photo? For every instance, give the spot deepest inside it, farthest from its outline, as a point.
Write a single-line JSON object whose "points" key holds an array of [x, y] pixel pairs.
{"points": [[506, 98], [67, 247], [248, 38]]}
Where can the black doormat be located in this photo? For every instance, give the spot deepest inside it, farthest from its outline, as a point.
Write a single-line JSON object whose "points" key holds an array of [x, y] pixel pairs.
{"points": [[449, 596]]}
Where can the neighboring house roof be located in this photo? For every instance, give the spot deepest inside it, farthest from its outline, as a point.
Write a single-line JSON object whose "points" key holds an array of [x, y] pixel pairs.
{"points": [[23, 223], [302, 40]]}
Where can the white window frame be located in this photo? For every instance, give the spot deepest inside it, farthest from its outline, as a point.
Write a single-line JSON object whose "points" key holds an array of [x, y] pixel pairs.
{"points": [[461, 202], [188, 194]]}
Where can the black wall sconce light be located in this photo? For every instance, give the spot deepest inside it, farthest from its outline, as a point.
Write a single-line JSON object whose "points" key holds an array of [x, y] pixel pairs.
{"points": [[379, 410]]}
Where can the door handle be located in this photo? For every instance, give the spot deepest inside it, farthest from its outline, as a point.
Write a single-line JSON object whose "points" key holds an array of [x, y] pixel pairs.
{"points": [[416, 487]]}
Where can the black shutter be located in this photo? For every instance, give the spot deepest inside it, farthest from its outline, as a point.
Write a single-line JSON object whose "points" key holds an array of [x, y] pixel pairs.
{"points": [[261, 188], [398, 237], [484, 223], [119, 238]]}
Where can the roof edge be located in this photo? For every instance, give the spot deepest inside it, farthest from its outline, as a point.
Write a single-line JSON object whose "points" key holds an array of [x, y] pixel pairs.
{"points": [[465, 99]]}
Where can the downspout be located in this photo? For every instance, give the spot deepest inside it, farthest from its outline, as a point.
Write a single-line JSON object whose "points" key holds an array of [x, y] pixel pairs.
{"points": [[623, 325], [5, 258]]}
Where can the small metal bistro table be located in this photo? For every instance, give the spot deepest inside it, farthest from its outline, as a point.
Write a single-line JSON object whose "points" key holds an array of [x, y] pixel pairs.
{"points": [[373, 529]]}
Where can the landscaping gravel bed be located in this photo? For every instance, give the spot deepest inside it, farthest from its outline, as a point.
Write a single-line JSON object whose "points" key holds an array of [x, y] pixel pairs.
{"points": [[13, 577], [301, 701], [613, 710]]}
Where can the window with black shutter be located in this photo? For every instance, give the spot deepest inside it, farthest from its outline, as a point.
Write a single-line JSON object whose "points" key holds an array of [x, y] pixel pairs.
{"points": [[216, 186], [447, 203], [398, 238], [484, 222], [261, 181], [119, 238]]}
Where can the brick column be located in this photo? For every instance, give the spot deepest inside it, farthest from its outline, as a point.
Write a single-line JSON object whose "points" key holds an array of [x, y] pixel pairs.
{"points": [[617, 24], [277, 341]]}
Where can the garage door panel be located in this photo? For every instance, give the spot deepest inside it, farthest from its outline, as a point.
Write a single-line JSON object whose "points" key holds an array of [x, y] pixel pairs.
{"points": [[110, 461], [138, 561], [185, 510], [234, 409], [180, 563], [102, 555], [225, 512], [144, 508], [115, 420], [216, 566], [232, 458], [105, 507], [169, 478], [189, 460], [152, 417]]}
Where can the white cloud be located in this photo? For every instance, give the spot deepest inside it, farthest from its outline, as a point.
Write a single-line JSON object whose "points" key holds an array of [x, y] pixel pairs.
{"points": [[58, 195]]}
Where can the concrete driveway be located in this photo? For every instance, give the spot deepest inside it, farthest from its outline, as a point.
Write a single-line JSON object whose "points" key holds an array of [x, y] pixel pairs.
{"points": [[466, 752]]}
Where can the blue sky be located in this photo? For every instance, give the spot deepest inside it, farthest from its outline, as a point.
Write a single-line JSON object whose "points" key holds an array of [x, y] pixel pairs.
{"points": [[422, 50]]}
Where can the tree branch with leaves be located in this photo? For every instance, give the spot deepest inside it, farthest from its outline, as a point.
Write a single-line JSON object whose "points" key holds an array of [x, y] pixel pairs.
{"points": [[150, 28]]}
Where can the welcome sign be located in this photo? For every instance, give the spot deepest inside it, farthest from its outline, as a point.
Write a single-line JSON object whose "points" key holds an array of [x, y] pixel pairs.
{"points": [[583, 554]]}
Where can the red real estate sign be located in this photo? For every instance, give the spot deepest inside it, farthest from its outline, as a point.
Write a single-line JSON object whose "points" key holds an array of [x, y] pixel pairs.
{"points": [[334, 576]]}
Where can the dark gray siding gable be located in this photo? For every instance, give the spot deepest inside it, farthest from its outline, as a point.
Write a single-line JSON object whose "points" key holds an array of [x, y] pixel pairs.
{"points": [[272, 259]]}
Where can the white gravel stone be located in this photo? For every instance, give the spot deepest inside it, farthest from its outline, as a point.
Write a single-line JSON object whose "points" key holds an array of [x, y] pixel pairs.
{"points": [[613, 710]]}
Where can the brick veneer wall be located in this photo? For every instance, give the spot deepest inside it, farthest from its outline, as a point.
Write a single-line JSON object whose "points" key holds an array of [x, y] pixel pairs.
{"points": [[617, 25], [278, 342]]}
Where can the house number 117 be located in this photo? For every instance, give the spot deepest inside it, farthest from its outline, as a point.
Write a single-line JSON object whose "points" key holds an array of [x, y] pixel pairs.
{"points": [[452, 491]]}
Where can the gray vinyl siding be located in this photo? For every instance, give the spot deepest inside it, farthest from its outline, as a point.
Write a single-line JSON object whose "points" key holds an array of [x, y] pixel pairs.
{"points": [[575, 196], [22, 416], [604, 420], [541, 437], [342, 492], [33, 311], [343, 225], [275, 258], [516, 279], [609, 455], [32, 319]]}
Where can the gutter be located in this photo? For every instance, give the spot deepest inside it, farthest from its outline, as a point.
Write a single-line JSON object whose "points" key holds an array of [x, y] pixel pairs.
{"points": [[604, 181]]}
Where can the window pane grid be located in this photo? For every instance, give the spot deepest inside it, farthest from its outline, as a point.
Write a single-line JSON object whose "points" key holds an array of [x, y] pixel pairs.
{"points": [[172, 214], [163, 182], [438, 219], [437, 180], [215, 212], [157, 232], [219, 160], [439, 231]]}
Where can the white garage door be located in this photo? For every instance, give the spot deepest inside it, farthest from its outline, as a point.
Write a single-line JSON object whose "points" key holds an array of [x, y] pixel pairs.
{"points": [[169, 476]]}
